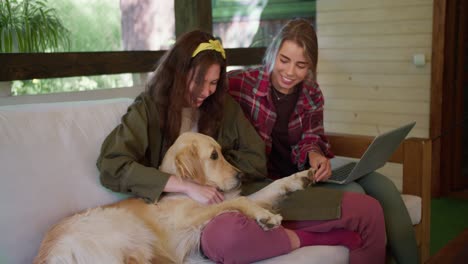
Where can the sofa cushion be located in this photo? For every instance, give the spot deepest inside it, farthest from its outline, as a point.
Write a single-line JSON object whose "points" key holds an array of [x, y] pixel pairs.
{"points": [[413, 203], [47, 157], [312, 255]]}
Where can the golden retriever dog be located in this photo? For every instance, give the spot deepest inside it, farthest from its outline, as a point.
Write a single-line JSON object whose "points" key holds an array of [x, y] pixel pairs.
{"points": [[168, 231]]}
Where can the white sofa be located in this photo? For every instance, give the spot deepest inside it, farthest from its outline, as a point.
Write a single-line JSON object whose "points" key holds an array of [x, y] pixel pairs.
{"points": [[47, 166]]}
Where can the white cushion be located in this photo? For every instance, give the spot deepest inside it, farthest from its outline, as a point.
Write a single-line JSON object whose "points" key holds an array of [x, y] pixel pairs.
{"points": [[312, 255], [48, 154], [413, 204]]}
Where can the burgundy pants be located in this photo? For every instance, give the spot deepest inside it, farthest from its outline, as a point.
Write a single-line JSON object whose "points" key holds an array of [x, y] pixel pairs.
{"points": [[234, 238]]}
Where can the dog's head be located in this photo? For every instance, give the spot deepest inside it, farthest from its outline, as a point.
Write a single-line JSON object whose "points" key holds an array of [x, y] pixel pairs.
{"points": [[198, 157]]}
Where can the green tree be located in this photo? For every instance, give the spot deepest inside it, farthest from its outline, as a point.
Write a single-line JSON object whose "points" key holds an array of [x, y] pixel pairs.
{"points": [[94, 25]]}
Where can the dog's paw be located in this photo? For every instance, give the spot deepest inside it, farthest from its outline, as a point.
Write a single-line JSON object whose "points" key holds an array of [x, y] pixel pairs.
{"points": [[299, 181], [310, 176], [268, 220]]}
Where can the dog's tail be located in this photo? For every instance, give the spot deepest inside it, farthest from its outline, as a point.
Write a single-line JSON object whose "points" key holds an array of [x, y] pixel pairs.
{"points": [[109, 235]]}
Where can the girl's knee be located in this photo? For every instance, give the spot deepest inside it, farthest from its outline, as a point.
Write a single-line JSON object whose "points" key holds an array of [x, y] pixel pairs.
{"points": [[224, 234], [234, 238], [364, 206]]}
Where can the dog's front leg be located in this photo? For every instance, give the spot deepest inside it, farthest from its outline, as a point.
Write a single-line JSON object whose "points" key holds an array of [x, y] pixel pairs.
{"points": [[277, 190], [266, 219]]}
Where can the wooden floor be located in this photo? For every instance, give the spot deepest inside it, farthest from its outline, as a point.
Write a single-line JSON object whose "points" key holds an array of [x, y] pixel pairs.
{"points": [[455, 252]]}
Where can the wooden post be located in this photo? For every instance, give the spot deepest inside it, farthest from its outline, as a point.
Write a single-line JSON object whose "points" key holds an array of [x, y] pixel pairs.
{"points": [[417, 172], [437, 85], [192, 14]]}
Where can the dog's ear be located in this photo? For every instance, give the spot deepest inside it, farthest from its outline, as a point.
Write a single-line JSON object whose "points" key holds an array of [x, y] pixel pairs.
{"points": [[188, 164]]}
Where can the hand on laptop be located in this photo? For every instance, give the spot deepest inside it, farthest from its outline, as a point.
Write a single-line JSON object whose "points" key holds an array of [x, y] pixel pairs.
{"points": [[322, 166]]}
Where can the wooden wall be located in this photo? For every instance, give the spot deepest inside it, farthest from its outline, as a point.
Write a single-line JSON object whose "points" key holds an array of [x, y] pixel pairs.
{"points": [[366, 68]]}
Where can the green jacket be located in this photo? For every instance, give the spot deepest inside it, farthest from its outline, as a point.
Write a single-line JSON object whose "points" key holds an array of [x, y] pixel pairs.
{"points": [[132, 152]]}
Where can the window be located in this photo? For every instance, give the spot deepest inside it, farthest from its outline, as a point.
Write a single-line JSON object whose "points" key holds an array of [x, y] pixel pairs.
{"points": [[253, 23], [103, 26], [142, 25]]}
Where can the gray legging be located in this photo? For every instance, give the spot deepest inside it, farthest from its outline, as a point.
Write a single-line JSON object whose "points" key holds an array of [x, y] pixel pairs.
{"points": [[400, 232]]}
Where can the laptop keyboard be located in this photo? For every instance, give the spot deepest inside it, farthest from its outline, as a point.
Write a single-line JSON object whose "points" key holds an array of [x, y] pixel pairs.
{"points": [[341, 173]]}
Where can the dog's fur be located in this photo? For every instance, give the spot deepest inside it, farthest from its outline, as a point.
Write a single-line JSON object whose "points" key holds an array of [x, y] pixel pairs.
{"points": [[132, 231]]}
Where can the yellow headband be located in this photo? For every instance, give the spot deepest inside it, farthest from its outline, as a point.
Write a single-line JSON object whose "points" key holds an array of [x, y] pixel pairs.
{"points": [[211, 45]]}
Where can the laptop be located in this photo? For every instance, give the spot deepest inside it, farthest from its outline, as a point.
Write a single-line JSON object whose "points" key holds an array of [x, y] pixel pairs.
{"points": [[376, 155]]}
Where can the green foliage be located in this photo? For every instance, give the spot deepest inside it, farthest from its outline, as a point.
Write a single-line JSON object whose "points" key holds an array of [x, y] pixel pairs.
{"points": [[31, 26], [94, 25], [73, 84]]}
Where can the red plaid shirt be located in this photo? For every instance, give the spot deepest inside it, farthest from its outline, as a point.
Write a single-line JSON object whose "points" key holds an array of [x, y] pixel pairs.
{"points": [[251, 89]]}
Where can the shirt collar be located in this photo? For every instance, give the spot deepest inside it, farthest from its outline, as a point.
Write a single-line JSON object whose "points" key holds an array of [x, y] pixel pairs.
{"points": [[263, 84]]}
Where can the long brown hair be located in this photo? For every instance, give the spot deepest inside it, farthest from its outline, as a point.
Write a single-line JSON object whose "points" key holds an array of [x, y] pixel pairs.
{"points": [[169, 85], [303, 34]]}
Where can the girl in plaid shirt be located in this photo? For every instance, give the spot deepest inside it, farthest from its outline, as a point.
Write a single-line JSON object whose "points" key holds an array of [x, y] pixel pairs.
{"points": [[285, 105]]}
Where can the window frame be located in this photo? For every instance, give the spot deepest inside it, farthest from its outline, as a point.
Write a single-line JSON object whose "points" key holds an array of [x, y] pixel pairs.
{"points": [[189, 15]]}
